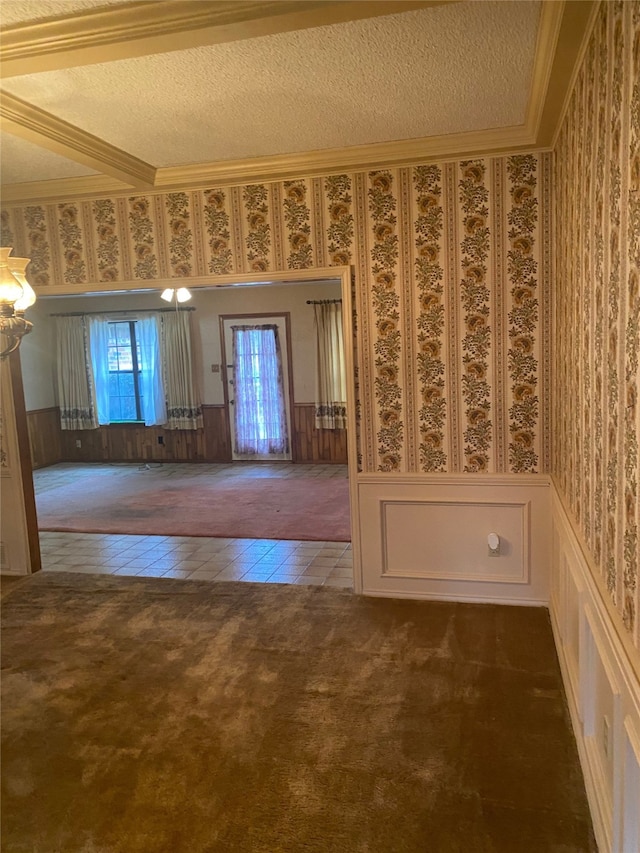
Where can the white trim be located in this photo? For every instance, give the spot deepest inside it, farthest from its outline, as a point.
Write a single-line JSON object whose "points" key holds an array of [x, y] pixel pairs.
{"points": [[601, 648], [41, 128], [576, 70], [145, 28]]}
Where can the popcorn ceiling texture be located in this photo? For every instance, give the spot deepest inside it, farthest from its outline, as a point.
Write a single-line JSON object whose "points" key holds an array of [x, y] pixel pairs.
{"points": [[24, 161], [451, 288], [446, 69], [596, 376]]}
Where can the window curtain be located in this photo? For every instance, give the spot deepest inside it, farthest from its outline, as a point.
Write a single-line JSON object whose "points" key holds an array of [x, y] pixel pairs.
{"points": [[76, 390], [154, 409], [184, 406], [99, 347], [153, 405], [331, 385], [260, 423]]}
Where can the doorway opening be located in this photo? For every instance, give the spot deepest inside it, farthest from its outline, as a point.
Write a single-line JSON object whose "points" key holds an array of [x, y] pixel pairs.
{"points": [[256, 363], [260, 297]]}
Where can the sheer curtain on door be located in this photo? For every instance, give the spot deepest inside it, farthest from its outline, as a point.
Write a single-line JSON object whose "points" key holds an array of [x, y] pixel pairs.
{"points": [[260, 422]]}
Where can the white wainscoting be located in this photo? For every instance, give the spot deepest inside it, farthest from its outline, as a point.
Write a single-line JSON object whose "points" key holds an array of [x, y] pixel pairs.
{"points": [[601, 672], [426, 537]]}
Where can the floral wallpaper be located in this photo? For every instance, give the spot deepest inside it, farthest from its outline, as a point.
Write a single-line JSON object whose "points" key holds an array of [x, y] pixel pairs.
{"points": [[596, 420], [451, 266]]}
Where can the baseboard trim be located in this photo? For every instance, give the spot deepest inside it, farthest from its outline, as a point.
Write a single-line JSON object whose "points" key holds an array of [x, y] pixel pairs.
{"points": [[464, 599]]}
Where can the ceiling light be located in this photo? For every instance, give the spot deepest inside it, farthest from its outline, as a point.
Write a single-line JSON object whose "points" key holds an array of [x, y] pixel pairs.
{"points": [[179, 295]]}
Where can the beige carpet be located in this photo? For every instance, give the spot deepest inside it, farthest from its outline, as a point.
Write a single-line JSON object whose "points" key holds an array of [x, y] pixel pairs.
{"points": [[160, 716]]}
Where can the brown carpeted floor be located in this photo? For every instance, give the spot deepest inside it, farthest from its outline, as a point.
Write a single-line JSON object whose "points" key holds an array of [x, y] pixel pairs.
{"points": [[159, 716], [152, 504]]}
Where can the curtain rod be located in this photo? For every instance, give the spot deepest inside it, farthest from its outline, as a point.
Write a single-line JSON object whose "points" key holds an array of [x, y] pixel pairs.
{"points": [[122, 311], [322, 301]]}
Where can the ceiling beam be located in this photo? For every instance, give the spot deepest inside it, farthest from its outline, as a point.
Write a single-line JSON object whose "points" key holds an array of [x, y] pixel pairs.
{"points": [[158, 26], [37, 126]]}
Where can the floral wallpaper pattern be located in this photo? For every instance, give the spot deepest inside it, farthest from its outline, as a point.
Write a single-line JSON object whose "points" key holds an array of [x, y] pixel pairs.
{"points": [[258, 238], [107, 248], [596, 343], [385, 303], [217, 221], [476, 343], [448, 276], [181, 237], [142, 237], [522, 269], [297, 215], [429, 275], [340, 231]]}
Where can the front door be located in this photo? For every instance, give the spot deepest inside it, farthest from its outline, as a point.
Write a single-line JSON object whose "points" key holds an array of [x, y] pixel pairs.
{"points": [[257, 375]]}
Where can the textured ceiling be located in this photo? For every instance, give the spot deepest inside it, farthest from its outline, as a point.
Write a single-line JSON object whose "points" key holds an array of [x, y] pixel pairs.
{"points": [[447, 69], [23, 161], [459, 67]]}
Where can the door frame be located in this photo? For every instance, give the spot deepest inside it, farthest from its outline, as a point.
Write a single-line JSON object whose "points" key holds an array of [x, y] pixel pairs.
{"points": [[225, 376], [344, 274]]}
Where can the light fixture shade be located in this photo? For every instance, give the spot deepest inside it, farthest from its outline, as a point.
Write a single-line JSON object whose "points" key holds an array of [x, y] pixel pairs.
{"points": [[180, 295], [18, 267], [10, 288]]}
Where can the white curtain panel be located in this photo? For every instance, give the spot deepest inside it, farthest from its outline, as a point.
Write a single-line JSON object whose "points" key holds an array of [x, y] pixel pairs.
{"points": [[76, 390], [99, 347], [331, 385], [148, 335], [260, 421], [184, 408]]}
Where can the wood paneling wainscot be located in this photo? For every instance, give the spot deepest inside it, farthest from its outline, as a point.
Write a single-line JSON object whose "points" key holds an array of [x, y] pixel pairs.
{"points": [[217, 435], [44, 436], [133, 443], [139, 443], [316, 445]]}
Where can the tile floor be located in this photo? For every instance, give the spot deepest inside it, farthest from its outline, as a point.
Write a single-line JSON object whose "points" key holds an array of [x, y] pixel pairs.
{"points": [[212, 559]]}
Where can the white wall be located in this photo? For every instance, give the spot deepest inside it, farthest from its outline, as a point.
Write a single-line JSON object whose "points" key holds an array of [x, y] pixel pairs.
{"points": [[38, 349], [37, 357]]}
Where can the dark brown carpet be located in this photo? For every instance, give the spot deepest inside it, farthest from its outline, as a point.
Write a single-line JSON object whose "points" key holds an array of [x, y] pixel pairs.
{"points": [[249, 507], [163, 716]]}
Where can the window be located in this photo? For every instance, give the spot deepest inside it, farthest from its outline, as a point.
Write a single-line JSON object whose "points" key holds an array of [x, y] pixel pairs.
{"points": [[125, 396], [127, 375]]}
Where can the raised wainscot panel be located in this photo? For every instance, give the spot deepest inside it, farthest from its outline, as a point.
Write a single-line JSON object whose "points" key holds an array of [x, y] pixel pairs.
{"points": [[417, 540], [426, 537], [601, 674]]}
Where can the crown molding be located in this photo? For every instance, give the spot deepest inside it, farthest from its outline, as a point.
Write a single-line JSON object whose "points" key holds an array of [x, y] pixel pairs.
{"points": [[576, 32], [289, 166], [158, 26], [551, 15], [85, 186], [355, 158], [43, 129]]}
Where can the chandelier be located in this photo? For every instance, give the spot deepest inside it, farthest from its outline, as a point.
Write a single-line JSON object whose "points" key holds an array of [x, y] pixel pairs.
{"points": [[16, 295]]}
